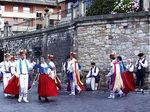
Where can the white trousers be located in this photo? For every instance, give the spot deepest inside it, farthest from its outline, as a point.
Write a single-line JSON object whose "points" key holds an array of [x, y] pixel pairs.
{"points": [[23, 81], [74, 86], [6, 78]]}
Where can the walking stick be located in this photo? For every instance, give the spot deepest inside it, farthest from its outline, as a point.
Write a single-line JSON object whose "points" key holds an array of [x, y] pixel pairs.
{"points": [[36, 77]]}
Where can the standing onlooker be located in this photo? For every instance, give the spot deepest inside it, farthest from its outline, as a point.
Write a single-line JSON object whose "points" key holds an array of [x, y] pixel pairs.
{"points": [[141, 66]]}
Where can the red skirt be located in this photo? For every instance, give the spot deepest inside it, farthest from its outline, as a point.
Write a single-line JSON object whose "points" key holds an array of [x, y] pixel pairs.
{"points": [[13, 86], [46, 86], [128, 82]]}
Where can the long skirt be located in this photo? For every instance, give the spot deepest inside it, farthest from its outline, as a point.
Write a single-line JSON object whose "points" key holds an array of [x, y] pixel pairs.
{"points": [[128, 82], [46, 86], [13, 86]]}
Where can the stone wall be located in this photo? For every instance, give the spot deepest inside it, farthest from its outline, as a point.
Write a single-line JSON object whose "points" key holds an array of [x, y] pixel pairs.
{"points": [[56, 41], [98, 36], [93, 38]]}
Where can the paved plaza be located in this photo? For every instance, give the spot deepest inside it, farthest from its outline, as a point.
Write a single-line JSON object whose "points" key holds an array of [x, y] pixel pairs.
{"points": [[87, 101]]}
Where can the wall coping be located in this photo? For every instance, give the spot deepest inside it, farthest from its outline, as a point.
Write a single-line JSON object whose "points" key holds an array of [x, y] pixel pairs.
{"points": [[117, 16]]}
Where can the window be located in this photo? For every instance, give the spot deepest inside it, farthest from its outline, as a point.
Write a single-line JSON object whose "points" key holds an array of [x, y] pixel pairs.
{"points": [[27, 22], [2, 8], [38, 14], [15, 9], [15, 19], [39, 26], [26, 10]]}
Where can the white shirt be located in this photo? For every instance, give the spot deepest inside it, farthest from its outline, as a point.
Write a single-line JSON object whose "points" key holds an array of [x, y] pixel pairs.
{"points": [[4, 66], [94, 72], [24, 66], [13, 67], [141, 64], [130, 67], [51, 63], [111, 68], [44, 65], [71, 65]]}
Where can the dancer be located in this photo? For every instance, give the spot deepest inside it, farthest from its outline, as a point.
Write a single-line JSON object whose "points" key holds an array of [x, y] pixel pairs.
{"points": [[116, 84], [73, 70], [46, 85], [23, 66], [13, 84], [5, 65], [128, 79], [53, 73]]}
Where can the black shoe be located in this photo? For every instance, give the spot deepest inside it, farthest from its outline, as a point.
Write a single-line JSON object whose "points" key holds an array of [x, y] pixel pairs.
{"points": [[46, 99], [40, 98], [16, 96]]}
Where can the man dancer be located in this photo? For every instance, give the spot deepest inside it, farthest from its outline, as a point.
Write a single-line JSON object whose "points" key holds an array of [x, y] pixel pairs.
{"points": [[23, 67], [65, 69], [116, 79], [73, 68], [5, 65], [141, 66], [13, 85]]}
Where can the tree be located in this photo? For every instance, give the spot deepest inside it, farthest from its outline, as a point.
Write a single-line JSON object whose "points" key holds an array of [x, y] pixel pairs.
{"points": [[100, 7], [123, 6]]}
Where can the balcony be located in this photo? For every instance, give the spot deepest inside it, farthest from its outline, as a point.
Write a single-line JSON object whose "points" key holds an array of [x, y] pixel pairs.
{"points": [[23, 28], [18, 15], [55, 16]]}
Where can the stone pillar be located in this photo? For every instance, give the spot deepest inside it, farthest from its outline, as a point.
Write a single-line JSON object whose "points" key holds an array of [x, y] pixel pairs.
{"points": [[82, 8], [44, 44], [72, 12], [146, 5], [46, 17], [6, 26]]}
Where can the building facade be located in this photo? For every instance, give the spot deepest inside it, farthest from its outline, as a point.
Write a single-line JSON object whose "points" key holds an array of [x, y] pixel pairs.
{"points": [[26, 14]]}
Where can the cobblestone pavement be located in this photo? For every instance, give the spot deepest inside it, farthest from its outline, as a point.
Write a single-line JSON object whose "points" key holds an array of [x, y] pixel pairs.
{"points": [[87, 101]]}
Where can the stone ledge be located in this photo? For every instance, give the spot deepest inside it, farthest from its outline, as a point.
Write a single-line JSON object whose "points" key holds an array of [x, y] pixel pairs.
{"points": [[22, 35], [114, 16], [79, 20]]}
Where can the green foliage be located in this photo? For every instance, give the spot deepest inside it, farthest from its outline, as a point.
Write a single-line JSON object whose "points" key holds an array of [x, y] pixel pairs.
{"points": [[100, 7], [123, 6]]}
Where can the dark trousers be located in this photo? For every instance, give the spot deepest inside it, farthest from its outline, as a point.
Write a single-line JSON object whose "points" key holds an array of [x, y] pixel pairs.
{"points": [[140, 75]]}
